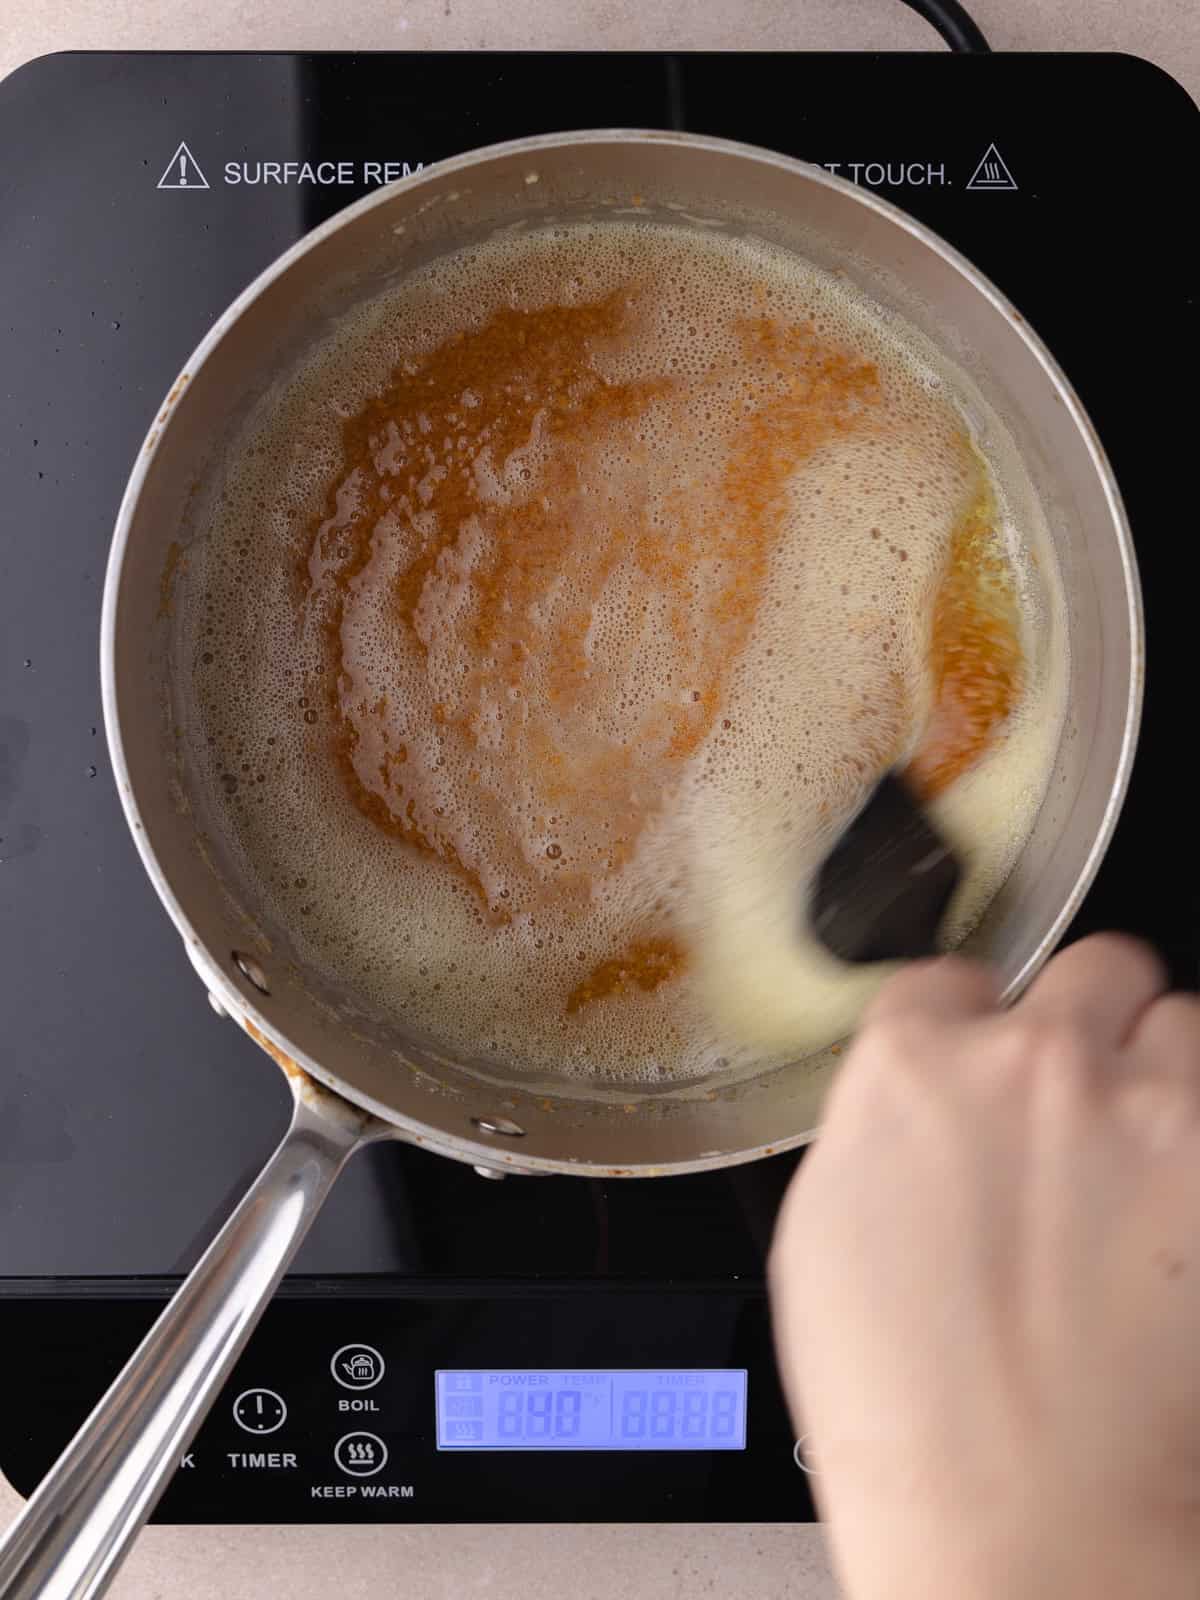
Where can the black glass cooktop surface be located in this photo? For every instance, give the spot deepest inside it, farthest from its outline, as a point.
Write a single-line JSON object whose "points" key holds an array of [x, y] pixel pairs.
{"points": [[138, 195]]}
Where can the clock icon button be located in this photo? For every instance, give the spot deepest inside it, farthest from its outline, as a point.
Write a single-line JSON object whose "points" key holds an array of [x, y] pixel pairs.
{"points": [[259, 1411]]}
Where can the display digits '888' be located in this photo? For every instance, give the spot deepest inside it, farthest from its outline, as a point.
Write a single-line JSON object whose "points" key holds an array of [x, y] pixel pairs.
{"points": [[540, 1414]]}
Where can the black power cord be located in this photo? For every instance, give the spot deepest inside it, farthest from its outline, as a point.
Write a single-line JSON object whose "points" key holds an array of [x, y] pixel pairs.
{"points": [[956, 27]]}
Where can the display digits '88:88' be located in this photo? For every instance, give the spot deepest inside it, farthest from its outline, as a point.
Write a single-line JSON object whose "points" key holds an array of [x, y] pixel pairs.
{"points": [[678, 1414]]}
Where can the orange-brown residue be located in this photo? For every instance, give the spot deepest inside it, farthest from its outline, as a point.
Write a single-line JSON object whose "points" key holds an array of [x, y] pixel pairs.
{"points": [[417, 452], [646, 965], [278, 1056], [166, 579], [176, 391], [975, 657], [477, 512]]}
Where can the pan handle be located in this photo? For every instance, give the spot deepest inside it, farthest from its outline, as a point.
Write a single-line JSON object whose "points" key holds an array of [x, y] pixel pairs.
{"points": [[76, 1528]]}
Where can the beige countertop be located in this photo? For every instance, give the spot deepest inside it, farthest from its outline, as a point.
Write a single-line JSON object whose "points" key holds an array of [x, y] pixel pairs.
{"points": [[585, 1563]]}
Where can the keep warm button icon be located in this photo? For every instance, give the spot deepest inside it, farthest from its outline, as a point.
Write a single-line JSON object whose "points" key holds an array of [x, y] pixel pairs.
{"points": [[360, 1455], [357, 1366]]}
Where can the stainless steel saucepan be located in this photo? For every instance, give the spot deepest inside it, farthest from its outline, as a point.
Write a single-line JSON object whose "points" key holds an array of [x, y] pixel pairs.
{"points": [[354, 1082]]}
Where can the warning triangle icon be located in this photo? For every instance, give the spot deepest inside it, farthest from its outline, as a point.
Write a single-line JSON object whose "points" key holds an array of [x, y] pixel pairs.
{"points": [[992, 172], [182, 171]]}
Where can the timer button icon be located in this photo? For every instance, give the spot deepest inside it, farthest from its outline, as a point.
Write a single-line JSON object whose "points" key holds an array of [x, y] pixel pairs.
{"points": [[357, 1366], [259, 1411]]}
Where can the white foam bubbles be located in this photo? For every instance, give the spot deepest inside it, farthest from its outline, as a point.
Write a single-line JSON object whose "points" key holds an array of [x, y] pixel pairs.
{"points": [[828, 675]]}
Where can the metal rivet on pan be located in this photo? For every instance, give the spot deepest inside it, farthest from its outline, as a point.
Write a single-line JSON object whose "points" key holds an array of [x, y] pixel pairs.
{"points": [[251, 971], [500, 1125], [216, 1005], [491, 1172]]}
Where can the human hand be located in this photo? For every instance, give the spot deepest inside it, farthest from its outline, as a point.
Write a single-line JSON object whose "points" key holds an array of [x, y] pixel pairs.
{"points": [[986, 1287]]}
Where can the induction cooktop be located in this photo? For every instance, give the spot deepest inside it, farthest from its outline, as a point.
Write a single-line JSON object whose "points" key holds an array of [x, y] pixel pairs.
{"points": [[610, 1338]]}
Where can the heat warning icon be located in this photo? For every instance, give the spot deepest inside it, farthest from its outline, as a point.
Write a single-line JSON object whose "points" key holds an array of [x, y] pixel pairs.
{"points": [[992, 172], [182, 171]]}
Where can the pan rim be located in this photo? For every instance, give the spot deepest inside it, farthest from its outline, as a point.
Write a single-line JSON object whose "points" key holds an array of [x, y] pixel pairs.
{"points": [[222, 986]]}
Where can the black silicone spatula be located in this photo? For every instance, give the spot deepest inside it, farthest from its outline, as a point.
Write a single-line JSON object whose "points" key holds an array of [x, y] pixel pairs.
{"points": [[882, 891]]}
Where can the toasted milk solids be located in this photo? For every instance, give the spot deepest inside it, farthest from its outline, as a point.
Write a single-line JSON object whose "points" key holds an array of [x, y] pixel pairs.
{"points": [[553, 616]]}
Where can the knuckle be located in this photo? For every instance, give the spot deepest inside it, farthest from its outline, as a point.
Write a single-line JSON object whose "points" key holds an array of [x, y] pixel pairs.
{"points": [[1176, 1020], [895, 1046], [1114, 951], [1112, 942], [925, 985], [1038, 1047], [1156, 1107]]}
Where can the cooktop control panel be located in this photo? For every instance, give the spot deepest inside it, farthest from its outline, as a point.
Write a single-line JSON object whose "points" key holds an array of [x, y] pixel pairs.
{"points": [[446, 1404]]}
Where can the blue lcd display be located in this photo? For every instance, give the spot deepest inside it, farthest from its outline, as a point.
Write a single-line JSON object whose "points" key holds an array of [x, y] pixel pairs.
{"points": [[585, 1409]]}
